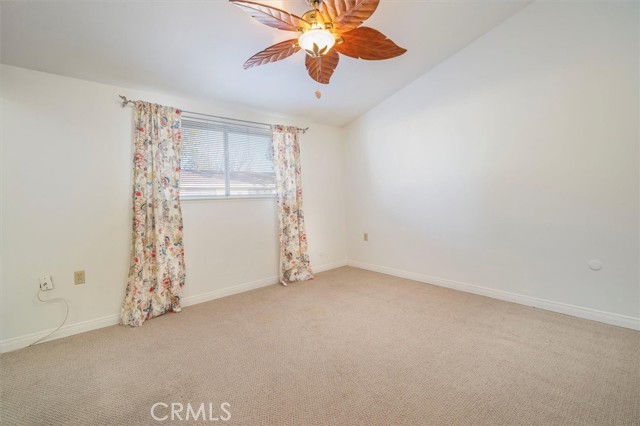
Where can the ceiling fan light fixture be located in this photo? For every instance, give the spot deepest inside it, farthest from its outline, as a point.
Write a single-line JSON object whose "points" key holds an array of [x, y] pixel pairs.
{"points": [[317, 41], [333, 28]]}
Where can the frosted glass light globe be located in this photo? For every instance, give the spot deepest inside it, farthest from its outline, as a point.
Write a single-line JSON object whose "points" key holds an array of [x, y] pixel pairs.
{"points": [[320, 37]]}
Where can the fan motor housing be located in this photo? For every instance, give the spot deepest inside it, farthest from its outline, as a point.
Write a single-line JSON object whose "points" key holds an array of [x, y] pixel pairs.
{"points": [[315, 18]]}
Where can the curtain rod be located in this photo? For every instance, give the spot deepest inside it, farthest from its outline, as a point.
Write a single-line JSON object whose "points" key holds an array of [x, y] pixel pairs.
{"points": [[126, 101]]}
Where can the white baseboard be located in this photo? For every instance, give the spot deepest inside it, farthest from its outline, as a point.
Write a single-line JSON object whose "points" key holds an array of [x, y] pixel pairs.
{"points": [[330, 265], [20, 342], [548, 305], [228, 291]]}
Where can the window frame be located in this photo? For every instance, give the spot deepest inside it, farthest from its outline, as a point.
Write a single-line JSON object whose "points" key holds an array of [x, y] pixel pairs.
{"points": [[225, 128]]}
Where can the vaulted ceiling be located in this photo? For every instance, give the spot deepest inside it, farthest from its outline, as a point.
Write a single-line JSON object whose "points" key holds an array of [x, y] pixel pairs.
{"points": [[197, 49]]}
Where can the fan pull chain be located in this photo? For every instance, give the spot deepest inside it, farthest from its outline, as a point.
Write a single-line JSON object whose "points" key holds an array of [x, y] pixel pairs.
{"points": [[318, 92]]}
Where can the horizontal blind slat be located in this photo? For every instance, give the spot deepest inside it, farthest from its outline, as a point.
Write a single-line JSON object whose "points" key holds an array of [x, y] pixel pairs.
{"points": [[203, 159]]}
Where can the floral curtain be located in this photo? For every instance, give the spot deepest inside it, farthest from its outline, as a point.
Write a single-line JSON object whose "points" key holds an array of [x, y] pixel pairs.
{"points": [[294, 257], [157, 270]]}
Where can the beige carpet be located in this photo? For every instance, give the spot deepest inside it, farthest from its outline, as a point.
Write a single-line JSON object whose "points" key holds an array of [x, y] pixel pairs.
{"points": [[351, 348]]}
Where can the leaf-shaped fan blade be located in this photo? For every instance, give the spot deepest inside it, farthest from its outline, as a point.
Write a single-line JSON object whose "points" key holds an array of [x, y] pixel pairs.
{"points": [[321, 69], [334, 8], [349, 14], [273, 53], [272, 16], [367, 43]]}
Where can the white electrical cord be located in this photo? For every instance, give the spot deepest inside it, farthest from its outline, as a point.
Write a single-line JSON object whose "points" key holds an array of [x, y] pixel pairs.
{"points": [[66, 315]]}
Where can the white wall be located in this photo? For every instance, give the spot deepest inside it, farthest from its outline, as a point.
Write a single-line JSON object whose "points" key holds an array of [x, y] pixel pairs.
{"points": [[511, 165], [66, 172]]}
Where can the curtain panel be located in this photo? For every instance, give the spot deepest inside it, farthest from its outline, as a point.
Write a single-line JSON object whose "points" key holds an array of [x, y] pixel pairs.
{"points": [[157, 269], [294, 256]]}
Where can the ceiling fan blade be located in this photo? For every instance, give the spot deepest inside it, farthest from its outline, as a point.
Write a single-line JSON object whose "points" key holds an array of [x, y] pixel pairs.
{"points": [[331, 9], [349, 14], [273, 53], [272, 16], [367, 43], [322, 69]]}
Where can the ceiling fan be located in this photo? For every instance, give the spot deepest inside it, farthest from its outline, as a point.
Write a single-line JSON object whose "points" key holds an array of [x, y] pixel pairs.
{"points": [[331, 28]]}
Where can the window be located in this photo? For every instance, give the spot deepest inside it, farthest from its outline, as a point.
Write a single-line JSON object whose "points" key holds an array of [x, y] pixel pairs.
{"points": [[221, 159]]}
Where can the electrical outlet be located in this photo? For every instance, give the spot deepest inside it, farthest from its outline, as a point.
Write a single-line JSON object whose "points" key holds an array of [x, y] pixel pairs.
{"points": [[366, 236], [78, 277], [46, 283]]}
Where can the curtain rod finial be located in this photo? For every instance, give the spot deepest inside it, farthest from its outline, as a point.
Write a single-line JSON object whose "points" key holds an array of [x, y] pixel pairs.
{"points": [[125, 101]]}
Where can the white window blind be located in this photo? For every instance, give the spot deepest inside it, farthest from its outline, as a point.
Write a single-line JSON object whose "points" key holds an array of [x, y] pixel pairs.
{"points": [[222, 159]]}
